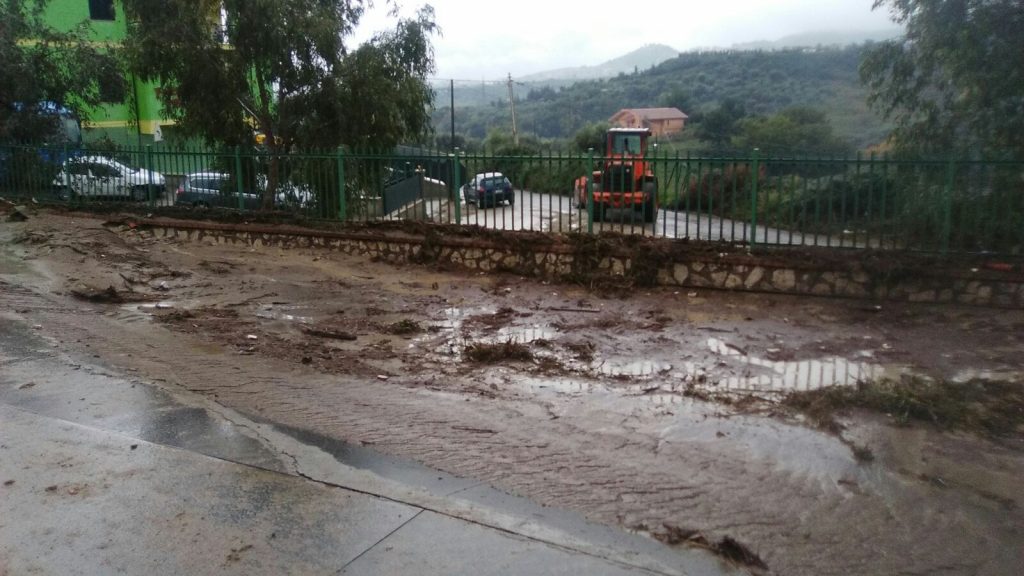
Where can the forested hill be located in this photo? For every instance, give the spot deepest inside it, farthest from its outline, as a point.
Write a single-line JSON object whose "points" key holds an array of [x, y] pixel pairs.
{"points": [[764, 82]]}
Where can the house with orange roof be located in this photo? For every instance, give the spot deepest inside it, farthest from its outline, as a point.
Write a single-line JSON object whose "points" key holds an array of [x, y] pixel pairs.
{"points": [[661, 121]]}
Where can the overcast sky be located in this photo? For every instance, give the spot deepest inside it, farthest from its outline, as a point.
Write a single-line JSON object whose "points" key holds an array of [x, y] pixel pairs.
{"points": [[487, 39]]}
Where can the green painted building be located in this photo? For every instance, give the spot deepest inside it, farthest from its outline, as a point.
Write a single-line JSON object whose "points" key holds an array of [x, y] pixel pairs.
{"points": [[131, 113]]}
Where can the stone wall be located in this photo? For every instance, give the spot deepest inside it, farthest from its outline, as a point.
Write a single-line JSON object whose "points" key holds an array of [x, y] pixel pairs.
{"points": [[628, 264]]}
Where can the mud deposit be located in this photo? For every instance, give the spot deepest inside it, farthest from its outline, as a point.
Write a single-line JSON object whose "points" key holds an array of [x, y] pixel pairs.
{"points": [[657, 412]]}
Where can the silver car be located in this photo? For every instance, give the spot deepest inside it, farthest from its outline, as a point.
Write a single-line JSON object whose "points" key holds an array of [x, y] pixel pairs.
{"points": [[101, 177], [213, 189]]}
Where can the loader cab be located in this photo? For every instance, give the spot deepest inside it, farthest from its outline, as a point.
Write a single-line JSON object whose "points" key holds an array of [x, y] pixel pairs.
{"points": [[627, 141]]}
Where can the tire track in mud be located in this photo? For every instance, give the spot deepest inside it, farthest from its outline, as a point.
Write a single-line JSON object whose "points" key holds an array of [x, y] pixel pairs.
{"points": [[587, 461]]}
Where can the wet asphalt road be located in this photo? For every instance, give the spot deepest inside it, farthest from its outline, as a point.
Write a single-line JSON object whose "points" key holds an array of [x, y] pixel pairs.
{"points": [[102, 472], [534, 211], [550, 212]]}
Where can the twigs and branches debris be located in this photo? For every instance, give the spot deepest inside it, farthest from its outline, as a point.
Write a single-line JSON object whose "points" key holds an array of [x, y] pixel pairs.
{"points": [[726, 547], [992, 408], [329, 334], [110, 295], [485, 353], [404, 327]]}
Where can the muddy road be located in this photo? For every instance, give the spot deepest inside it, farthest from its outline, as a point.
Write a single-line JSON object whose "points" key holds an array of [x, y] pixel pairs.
{"points": [[655, 412]]}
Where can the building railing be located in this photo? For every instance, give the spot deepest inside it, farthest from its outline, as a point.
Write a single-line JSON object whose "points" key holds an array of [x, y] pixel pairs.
{"points": [[878, 202]]}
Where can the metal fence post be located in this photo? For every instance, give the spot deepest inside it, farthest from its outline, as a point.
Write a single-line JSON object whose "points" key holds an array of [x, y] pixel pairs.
{"points": [[456, 186], [149, 176], [947, 217], [342, 200], [238, 177], [755, 169], [590, 190]]}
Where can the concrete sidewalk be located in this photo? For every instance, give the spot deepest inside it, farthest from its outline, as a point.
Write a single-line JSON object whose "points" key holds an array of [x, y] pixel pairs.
{"points": [[102, 473]]}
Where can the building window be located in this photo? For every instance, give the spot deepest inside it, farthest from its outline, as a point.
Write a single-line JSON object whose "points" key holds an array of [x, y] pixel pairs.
{"points": [[101, 9]]}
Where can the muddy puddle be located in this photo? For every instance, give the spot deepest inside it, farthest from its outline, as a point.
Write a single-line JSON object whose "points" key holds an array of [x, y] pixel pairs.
{"points": [[762, 375], [713, 364], [135, 312], [283, 314], [633, 369]]}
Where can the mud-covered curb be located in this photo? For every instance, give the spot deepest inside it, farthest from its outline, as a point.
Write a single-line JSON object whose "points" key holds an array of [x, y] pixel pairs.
{"points": [[611, 260]]}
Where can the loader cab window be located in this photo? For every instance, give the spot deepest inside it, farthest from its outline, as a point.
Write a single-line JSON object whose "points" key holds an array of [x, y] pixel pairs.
{"points": [[626, 144]]}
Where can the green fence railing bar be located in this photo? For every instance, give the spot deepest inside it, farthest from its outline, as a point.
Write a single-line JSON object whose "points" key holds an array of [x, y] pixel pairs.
{"points": [[876, 201]]}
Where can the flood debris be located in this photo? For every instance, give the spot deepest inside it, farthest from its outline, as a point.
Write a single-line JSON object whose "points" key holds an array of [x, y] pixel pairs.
{"points": [[329, 333], [862, 453], [727, 547], [492, 353], [580, 310], [18, 214], [502, 317], [404, 327], [108, 295], [990, 407]]}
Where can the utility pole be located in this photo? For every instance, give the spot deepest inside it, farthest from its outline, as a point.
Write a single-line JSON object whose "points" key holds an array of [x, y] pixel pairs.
{"points": [[512, 102]]}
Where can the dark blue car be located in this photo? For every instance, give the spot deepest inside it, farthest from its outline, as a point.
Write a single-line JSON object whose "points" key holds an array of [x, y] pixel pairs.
{"points": [[488, 189]]}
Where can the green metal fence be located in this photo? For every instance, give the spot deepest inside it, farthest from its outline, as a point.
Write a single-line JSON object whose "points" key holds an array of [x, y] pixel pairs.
{"points": [[955, 205]]}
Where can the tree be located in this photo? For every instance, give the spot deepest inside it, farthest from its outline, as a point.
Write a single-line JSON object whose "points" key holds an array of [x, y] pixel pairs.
{"points": [[955, 80], [719, 125], [797, 130], [591, 136], [41, 65], [281, 67], [676, 98]]}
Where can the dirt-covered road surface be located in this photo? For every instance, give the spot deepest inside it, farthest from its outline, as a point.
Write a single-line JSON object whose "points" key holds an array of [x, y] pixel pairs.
{"points": [[654, 411]]}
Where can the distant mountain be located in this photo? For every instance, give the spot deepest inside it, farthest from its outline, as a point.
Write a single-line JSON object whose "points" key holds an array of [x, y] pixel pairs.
{"points": [[821, 38], [639, 59]]}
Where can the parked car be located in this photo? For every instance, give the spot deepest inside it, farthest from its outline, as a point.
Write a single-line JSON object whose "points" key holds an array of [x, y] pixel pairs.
{"points": [[101, 177], [213, 189], [489, 188]]}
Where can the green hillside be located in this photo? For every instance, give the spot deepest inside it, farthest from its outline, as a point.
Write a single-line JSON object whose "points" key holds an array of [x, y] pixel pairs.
{"points": [[764, 82]]}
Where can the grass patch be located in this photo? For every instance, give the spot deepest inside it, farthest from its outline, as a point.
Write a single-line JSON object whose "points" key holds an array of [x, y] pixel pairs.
{"points": [[494, 353], [993, 408], [404, 327]]}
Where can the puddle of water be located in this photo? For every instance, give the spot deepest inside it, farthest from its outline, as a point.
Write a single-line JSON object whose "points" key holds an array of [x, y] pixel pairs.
{"points": [[143, 312], [272, 313], [450, 339], [669, 393], [762, 375], [635, 369], [158, 306], [563, 386], [969, 374], [737, 371], [523, 334]]}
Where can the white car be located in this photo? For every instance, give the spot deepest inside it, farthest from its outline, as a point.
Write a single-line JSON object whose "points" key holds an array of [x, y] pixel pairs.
{"points": [[98, 176]]}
